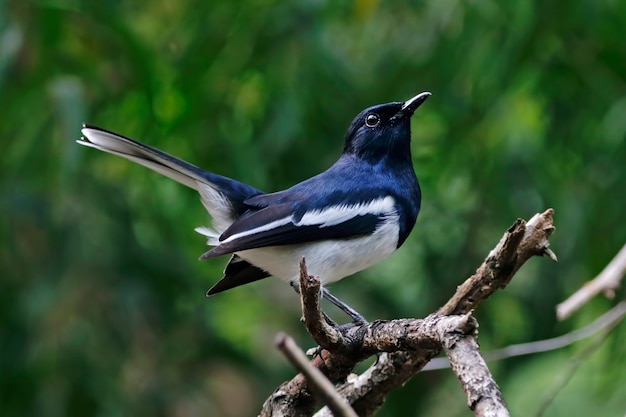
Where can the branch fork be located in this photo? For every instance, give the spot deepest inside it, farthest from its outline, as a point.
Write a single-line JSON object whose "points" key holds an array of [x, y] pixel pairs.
{"points": [[404, 346]]}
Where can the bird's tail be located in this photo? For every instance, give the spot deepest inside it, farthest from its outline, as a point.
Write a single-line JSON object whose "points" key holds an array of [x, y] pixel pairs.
{"points": [[159, 161], [170, 166]]}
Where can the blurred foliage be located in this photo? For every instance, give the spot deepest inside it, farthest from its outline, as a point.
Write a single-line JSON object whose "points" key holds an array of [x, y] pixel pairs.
{"points": [[102, 307]]}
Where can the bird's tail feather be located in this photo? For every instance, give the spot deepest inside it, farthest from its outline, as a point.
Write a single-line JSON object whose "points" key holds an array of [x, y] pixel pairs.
{"points": [[159, 161], [170, 166]]}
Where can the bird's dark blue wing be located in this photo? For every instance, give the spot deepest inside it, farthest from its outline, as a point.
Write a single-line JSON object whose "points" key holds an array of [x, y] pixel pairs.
{"points": [[281, 224]]}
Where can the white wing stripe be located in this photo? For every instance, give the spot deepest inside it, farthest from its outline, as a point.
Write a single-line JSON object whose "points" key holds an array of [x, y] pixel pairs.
{"points": [[264, 228], [338, 214]]}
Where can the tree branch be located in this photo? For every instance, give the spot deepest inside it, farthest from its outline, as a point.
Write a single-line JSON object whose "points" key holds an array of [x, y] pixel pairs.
{"points": [[408, 344], [483, 395], [520, 242], [316, 323], [606, 282], [320, 384], [608, 320]]}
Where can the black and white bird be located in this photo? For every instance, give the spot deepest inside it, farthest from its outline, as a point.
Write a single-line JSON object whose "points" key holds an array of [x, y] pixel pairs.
{"points": [[346, 219]]}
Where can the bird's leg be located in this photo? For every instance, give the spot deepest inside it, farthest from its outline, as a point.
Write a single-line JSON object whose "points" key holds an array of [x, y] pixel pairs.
{"points": [[356, 317]]}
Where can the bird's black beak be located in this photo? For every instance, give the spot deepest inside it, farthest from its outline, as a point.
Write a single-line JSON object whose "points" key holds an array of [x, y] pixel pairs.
{"points": [[409, 106]]}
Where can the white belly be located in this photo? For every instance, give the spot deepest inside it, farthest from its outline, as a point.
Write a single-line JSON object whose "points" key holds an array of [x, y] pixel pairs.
{"points": [[330, 260]]}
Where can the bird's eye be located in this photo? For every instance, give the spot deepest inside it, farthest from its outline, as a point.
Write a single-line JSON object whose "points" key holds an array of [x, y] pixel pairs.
{"points": [[372, 120]]}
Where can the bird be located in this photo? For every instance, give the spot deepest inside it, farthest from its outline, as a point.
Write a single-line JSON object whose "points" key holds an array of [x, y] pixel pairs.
{"points": [[341, 221]]}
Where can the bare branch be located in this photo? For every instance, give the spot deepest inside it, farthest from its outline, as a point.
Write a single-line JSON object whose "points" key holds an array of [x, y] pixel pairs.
{"points": [[608, 319], [483, 395], [521, 242], [323, 333], [606, 282], [437, 330], [409, 341], [320, 384]]}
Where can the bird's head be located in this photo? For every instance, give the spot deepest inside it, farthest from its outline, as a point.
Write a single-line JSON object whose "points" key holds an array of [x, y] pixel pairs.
{"points": [[383, 130]]}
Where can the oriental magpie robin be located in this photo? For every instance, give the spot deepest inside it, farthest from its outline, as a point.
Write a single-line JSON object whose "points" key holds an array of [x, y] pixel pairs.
{"points": [[346, 219]]}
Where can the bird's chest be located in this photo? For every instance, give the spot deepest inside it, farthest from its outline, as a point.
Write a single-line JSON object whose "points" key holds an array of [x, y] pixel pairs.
{"points": [[330, 260]]}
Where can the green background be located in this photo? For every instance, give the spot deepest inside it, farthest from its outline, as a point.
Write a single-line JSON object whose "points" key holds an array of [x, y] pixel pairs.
{"points": [[102, 305]]}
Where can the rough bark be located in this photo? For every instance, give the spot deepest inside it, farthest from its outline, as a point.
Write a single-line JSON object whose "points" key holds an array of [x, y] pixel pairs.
{"points": [[405, 346]]}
